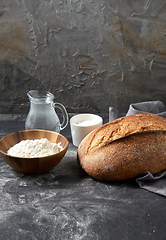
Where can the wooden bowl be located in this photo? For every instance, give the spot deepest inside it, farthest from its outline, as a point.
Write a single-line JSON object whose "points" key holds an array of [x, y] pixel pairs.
{"points": [[32, 165]]}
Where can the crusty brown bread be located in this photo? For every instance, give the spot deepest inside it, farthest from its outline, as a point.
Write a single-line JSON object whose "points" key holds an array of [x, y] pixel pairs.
{"points": [[125, 148]]}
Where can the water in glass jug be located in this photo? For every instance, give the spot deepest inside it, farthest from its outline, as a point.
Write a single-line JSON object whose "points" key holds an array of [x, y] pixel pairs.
{"points": [[42, 113]]}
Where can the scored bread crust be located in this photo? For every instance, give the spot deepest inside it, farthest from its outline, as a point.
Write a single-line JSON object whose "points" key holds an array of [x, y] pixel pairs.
{"points": [[125, 148]]}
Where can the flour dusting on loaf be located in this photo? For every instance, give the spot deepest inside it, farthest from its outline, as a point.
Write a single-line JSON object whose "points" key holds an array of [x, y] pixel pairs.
{"points": [[106, 155]]}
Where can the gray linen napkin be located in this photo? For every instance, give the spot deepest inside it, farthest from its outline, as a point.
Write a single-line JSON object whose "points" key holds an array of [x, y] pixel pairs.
{"points": [[154, 107], [155, 183]]}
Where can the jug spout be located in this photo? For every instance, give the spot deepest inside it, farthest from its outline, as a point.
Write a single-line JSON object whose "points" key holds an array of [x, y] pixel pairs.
{"points": [[40, 96], [42, 113]]}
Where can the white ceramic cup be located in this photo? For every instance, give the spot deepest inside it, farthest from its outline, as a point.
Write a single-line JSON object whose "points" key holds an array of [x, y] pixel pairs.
{"points": [[83, 124]]}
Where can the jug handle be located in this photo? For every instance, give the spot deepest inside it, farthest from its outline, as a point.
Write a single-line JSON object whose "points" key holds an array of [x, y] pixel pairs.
{"points": [[64, 114]]}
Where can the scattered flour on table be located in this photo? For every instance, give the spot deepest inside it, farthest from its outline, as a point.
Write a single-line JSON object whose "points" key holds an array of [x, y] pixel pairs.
{"points": [[34, 148]]}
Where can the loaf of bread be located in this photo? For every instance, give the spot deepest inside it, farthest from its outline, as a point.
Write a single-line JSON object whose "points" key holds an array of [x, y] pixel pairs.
{"points": [[125, 148]]}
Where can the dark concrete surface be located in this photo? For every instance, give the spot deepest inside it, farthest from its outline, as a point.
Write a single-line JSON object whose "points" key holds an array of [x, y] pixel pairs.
{"points": [[65, 203], [89, 54]]}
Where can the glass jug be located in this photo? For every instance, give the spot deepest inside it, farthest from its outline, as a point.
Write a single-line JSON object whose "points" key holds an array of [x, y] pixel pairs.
{"points": [[42, 113]]}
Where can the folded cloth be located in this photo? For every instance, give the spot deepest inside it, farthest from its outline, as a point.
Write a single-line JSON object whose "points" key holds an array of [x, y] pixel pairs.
{"points": [[114, 114], [154, 107], [155, 183], [148, 182]]}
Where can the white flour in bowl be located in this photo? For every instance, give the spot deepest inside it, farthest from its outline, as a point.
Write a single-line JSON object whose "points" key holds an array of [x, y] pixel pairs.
{"points": [[34, 148]]}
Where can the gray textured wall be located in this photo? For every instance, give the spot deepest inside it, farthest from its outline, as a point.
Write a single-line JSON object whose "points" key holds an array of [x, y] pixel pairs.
{"points": [[91, 54]]}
